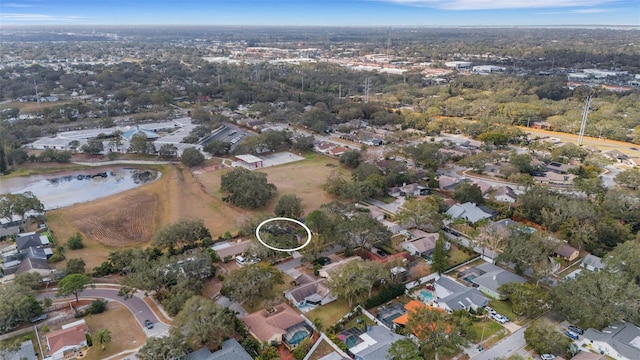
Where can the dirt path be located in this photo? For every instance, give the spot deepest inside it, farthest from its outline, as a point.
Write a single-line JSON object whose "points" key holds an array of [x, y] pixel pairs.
{"points": [[601, 144]]}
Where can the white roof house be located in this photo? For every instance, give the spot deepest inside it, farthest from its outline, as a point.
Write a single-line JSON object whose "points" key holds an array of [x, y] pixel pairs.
{"points": [[468, 211]]}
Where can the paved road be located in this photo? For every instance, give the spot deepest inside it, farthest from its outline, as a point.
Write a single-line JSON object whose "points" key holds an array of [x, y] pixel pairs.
{"points": [[140, 310], [508, 346]]}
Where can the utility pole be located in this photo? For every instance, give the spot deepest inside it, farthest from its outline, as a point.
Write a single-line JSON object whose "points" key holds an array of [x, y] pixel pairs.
{"points": [[583, 124], [37, 95], [366, 91], [339, 91]]}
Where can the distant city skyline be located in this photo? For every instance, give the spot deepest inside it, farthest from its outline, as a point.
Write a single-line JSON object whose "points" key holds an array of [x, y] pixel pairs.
{"points": [[322, 12]]}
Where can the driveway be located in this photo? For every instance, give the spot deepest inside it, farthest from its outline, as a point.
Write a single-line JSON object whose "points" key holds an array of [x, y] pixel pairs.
{"points": [[505, 348]]}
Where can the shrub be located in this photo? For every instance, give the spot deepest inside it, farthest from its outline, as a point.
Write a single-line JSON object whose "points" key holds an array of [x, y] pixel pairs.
{"points": [[386, 293], [75, 242]]}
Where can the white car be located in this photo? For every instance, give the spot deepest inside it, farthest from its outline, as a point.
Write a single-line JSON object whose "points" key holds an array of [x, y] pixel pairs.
{"points": [[547, 356], [490, 310], [500, 318]]}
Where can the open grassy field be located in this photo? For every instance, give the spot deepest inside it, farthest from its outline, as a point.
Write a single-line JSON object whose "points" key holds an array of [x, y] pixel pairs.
{"points": [[129, 219], [26, 107], [330, 314]]}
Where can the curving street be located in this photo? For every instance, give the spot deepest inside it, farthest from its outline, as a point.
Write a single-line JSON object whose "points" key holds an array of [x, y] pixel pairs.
{"points": [[136, 305]]}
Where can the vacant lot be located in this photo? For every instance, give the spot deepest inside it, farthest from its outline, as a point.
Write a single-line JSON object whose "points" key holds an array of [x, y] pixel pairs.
{"points": [[126, 333], [302, 178]]}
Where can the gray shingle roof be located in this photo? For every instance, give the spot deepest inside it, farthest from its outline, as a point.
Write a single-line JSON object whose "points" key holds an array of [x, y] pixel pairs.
{"points": [[495, 276], [383, 339], [231, 350], [624, 337], [468, 211]]}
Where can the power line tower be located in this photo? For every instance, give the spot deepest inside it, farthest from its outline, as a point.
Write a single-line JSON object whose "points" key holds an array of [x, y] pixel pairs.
{"points": [[37, 95], [583, 124]]}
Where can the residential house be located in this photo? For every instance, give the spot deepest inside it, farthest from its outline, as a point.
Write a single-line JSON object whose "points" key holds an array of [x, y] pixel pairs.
{"points": [[484, 187], [451, 295], [495, 169], [25, 352], [447, 182], [615, 155], [421, 243], [408, 308], [620, 340], [469, 212], [374, 343], [413, 189], [310, 292], [64, 344], [32, 239], [280, 324], [231, 350], [567, 252], [394, 191], [323, 147], [632, 161], [558, 168], [337, 151], [376, 213], [585, 355], [505, 194], [10, 226], [592, 263], [328, 269], [489, 277], [231, 249]]}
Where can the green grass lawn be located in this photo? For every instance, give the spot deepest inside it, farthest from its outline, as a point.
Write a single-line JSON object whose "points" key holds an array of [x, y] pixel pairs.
{"points": [[457, 256], [490, 327], [330, 314], [504, 308], [359, 321]]}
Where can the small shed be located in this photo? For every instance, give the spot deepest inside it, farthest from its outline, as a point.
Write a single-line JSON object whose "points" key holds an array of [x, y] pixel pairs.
{"points": [[250, 161]]}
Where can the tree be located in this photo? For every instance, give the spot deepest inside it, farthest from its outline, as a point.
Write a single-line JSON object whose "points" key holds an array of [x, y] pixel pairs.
{"points": [[404, 349], [629, 178], [467, 191], [436, 332], [93, 147], [204, 322], [163, 348], [440, 262], [168, 151], [115, 141], [543, 337], [192, 157], [596, 299], [423, 214], [103, 336], [364, 231], [528, 299], [17, 305], [9, 348], [289, 206], [248, 189], [217, 147], [184, 232], [347, 283], [75, 241], [75, 266], [350, 159], [626, 258], [19, 204], [478, 161], [252, 283], [31, 280], [530, 251], [139, 144], [72, 284]]}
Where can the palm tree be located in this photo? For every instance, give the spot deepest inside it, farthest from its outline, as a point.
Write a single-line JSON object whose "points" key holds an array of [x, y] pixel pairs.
{"points": [[104, 337]]}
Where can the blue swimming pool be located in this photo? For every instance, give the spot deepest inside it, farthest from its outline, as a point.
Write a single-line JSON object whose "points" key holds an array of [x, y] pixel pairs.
{"points": [[298, 337], [426, 296]]}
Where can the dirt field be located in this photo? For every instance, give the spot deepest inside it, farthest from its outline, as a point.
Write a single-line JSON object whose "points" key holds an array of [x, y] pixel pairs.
{"points": [[600, 144], [26, 107], [131, 218]]}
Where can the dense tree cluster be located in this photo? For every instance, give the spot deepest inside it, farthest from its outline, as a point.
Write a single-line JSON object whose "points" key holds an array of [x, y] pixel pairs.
{"points": [[246, 188]]}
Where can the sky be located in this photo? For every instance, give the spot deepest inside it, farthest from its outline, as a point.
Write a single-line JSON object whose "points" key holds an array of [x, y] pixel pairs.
{"points": [[322, 12]]}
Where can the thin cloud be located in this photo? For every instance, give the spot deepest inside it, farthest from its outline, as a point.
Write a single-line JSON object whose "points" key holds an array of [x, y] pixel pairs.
{"points": [[38, 17], [15, 5], [498, 4]]}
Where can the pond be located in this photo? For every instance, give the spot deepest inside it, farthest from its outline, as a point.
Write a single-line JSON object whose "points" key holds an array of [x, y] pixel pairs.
{"points": [[65, 189]]}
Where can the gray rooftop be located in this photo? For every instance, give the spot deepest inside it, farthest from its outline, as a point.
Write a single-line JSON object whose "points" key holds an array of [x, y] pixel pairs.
{"points": [[231, 350], [468, 211], [383, 338], [460, 296], [593, 261], [624, 337], [26, 352], [493, 277]]}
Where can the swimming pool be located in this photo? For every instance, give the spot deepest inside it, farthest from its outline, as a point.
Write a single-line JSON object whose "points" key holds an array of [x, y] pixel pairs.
{"points": [[426, 296], [298, 337]]}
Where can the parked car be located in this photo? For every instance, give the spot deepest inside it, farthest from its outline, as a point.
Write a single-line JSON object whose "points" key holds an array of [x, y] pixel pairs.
{"points": [[572, 335], [500, 318], [148, 324], [576, 329], [490, 310], [39, 318], [547, 356], [240, 260]]}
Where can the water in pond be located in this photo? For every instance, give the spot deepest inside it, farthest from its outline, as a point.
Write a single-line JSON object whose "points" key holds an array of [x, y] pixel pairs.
{"points": [[56, 191]]}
